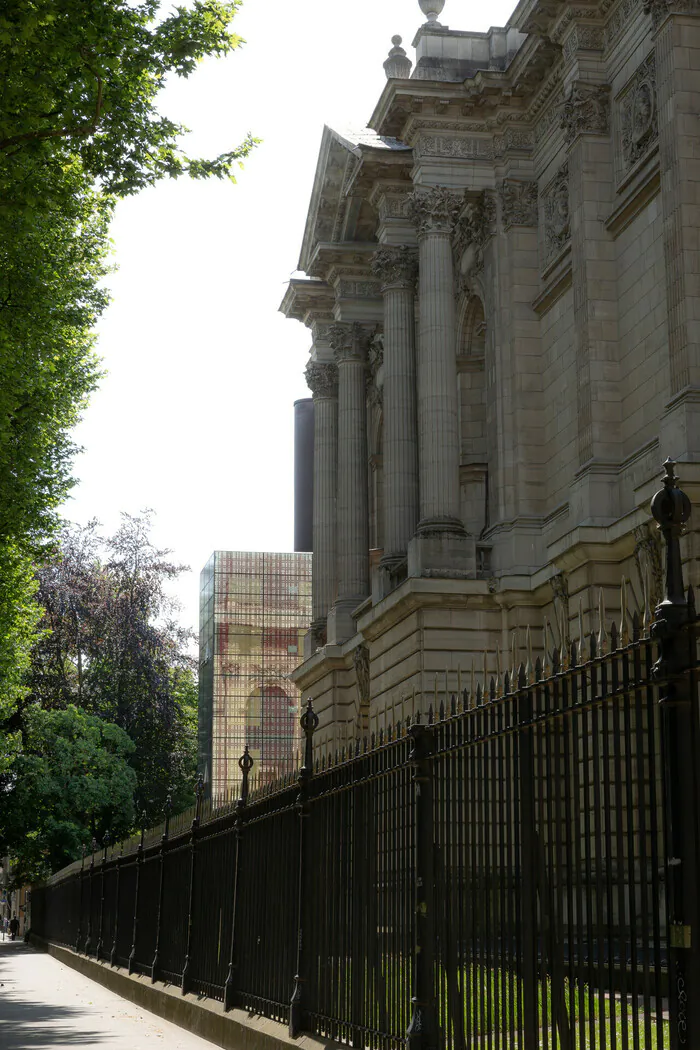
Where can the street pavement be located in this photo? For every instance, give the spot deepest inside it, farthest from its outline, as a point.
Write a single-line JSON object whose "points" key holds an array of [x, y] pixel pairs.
{"points": [[44, 1004]]}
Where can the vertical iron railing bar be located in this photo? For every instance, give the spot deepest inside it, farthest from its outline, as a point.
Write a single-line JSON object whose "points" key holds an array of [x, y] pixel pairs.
{"points": [[194, 829], [98, 946], [481, 923], [518, 961], [610, 700], [654, 801], [297, 1007], [502, 941], [463, 978], [631, 852], [86, 947], [139, 865], [569, 828], [558, 854], [529, 701], [80, 907], [422, 1033], [161, 885], [577, 994], [245, 764], [599, 693], [642, 741], [620, 840], [496, 916], [542, 845], [590, 689], [118, 865]]}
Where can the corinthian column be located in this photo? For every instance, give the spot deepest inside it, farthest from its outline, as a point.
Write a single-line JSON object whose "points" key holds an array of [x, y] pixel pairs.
{"points": [[348, 342], [322, 380], [397, 269], [434, 213]]}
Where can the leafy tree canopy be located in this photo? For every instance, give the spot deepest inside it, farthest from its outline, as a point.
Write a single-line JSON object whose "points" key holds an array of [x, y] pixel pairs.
{"points": [[83, 75], [71, 783]]}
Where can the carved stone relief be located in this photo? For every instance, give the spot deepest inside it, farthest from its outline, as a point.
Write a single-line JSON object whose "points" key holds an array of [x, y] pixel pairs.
{"points": [[638, 118], [557, 227], [658, 9], [395, 267], [586, 111], [560, 591], [435, 210], [349, 341], [454, 148], [375, 373], [475, 227], [362, 673], [322, 379], [647, 558], [518, 202]]}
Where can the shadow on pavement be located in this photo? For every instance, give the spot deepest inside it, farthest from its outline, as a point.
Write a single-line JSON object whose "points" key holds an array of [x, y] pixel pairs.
{"points": [[27, 1025]]}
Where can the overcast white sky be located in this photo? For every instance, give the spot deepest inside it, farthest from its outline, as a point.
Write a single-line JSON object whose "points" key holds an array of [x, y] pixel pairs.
{"points": [[194, 417]]}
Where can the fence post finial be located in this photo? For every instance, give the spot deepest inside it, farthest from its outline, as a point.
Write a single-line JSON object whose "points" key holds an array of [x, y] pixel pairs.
{"points": [[671, 509]]}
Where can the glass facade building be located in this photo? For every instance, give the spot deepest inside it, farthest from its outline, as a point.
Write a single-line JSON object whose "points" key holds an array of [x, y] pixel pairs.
{"points": [[255, 609]]}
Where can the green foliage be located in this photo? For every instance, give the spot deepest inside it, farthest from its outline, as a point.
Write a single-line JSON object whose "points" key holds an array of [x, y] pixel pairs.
{"points": [[71, 783], [83, 75], [112, 646], [79, 127]]}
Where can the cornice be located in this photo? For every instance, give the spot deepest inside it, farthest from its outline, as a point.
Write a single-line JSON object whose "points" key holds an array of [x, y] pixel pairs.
{"points": [[305, 297], [343, 255]]}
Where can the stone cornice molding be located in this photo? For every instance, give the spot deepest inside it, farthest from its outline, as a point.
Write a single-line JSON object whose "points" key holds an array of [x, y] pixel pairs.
{"points": [[518, 202], [350, 342], [396, 268], [661, 9], [391, 201], [435, 210], [586, 111], [322, 379]]}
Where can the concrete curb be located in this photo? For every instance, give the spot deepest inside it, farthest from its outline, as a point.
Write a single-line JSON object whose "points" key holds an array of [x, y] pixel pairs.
{"points": [[236, 1030]]}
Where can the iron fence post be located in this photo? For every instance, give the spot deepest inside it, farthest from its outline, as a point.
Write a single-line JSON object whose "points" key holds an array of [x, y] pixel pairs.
{"points": [[139, 863], [674, 628], [297, 1006], [421, 1033], [86, 946], [528, 845], [118, 865], [105, 844], [80, 906], [245, 764], [193, 861], [163, 845]]}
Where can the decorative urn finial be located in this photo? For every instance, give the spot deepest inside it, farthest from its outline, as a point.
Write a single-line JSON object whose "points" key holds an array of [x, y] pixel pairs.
{"points": [[432, 9], [398, 65]]}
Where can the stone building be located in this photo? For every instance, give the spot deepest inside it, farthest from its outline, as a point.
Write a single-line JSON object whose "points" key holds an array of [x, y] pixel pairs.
{"points": [[503, 294]]}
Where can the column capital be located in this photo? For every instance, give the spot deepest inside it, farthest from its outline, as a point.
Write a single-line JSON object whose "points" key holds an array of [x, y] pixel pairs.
{"points": [[586, 111], [350, 341], [434, 210], [322, 379], [396, 267]]}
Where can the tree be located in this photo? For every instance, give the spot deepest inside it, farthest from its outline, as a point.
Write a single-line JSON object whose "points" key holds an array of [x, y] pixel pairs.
{"points": [[112, 646], [71, 783], [79, 127]]}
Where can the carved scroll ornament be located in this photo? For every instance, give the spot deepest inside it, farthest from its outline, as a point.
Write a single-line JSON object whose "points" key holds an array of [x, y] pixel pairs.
{"points": [[395, 267], [434, 210], [586, 111], [322, 379]]}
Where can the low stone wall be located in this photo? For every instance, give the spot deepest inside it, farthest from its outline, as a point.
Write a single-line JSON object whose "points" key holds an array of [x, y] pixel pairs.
{"points": [[236, 1030]]}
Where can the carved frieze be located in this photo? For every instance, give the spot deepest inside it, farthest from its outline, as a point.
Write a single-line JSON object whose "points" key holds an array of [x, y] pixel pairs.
{"points": [[348, 289], [557, 227], [513, 140], [434, 210], [586, 111], [454, 148], [518, 202], [584, 38], [395, 267], [322, 379], [638, 118], [619, 20]]}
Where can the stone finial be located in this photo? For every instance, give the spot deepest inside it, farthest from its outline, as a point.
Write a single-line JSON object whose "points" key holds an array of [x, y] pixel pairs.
{"points": [[432, 9], [398, 65]]}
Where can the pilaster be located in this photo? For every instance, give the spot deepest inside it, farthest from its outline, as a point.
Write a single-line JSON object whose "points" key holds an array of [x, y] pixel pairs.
{"points": [[322, 379], [349, 342], [441, 544], [677, 47], [397, 269]]}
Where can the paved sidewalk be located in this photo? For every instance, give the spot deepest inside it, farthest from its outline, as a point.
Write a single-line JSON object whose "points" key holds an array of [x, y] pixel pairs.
{"points": [[44, 1004]]}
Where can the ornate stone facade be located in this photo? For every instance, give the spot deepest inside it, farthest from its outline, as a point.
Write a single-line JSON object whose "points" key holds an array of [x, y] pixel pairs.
{"points": [[511, 300], [557, 220], [638, 117]]}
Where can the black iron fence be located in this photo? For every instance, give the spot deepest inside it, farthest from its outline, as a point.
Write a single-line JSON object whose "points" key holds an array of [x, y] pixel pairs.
{"points": [[515, 871]]}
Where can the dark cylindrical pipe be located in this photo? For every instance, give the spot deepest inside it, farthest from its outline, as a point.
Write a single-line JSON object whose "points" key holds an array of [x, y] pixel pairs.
{"points": [[303, 474]]}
